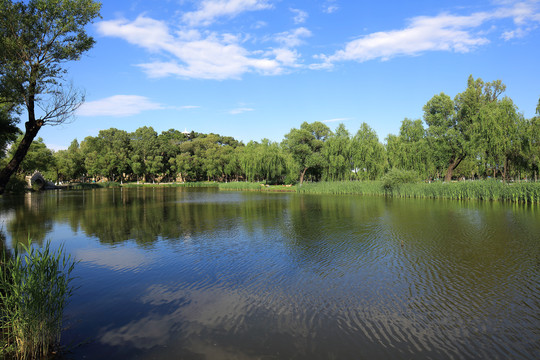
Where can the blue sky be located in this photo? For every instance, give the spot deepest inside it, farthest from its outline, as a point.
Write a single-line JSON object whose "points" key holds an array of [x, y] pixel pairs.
{"points": [[255, 69]]}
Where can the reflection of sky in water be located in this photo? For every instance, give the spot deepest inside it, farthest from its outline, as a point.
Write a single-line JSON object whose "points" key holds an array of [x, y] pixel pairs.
{"points": [[117, 258], [227, 275]]}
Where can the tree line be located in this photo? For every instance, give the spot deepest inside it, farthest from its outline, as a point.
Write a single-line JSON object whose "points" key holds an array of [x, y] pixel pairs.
{"points": [[478, 134]]}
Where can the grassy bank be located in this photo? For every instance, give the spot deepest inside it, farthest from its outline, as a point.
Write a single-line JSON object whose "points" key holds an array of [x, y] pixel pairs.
{"points": [[187, 184], [249, 186], [488, 190]]}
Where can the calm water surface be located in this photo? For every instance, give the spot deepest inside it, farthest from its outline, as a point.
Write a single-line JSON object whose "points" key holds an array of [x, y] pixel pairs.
{"points": [[202, 274]]}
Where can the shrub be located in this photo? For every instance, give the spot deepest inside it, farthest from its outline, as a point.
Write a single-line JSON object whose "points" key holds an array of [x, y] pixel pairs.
{"points": [[394, 178]]}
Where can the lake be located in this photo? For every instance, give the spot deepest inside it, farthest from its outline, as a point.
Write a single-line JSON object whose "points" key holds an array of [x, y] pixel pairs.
{"points": [[180, 273]]}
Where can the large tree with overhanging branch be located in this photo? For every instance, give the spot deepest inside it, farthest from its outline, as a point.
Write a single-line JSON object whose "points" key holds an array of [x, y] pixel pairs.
{"points": [[37, 38]]}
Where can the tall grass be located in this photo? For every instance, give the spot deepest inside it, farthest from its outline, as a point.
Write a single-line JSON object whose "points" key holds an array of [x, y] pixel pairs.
{"points": [[250, 186], [186, 184], [488, 190], [343, 187], [35, 288]]}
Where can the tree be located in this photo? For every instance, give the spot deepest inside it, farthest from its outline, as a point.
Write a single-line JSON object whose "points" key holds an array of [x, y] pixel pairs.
{"points": [[452, 123], [368, 154], [38, 158], [37, 38], [305, 146], [337, 154], [8, 127]]}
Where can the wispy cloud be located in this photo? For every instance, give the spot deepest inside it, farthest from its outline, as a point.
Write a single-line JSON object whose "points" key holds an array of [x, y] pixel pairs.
{"points": [[300, 16], [336, 120], [195, 54], [293, 38], [443, 32], [240, 110], [330, 6], [118, 106], [185, 107], [209, 10]]}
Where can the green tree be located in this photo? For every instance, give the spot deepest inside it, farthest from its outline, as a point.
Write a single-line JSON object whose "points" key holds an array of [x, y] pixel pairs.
{"points": [[38, 158], [368, 154], [37, 38], [305, 146], [496, 135], [337, 155], [146, 158], [452, 124], [8, 127]]}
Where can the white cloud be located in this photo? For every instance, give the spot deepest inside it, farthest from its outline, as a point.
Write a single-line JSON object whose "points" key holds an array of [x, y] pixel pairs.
{"points": [[209, 10], [300, 16], [292, 38], [240, 111], [330, 9], [118, 106], [194, 54], [444, 32]]}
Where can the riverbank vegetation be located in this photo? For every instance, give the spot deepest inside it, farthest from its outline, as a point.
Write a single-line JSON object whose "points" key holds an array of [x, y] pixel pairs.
{"points": [[479, 134], [34, 289]]}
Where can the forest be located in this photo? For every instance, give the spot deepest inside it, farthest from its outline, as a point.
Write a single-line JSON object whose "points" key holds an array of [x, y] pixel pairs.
{"points": [[478, 134]]}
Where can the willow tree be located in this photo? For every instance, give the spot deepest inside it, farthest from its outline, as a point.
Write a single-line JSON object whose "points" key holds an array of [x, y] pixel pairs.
{"points": [[305, 146], [37, 38], [368, 154], [452, 124]]}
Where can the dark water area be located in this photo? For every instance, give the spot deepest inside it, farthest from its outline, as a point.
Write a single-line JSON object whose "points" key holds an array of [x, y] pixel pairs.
{"points": [[172, 273]]}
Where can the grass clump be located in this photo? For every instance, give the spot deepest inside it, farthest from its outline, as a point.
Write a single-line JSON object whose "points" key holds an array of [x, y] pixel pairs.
{"points": [[35, 288]]}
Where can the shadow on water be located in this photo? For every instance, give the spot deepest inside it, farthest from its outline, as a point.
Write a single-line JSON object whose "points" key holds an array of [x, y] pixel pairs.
{"points": [[203, 274]]}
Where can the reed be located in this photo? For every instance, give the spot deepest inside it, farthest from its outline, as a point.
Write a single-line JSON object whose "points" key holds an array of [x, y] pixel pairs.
{"points": [[343, 187], [250, 186], [486, 190], [241, 185], [186, 184], [35, 288]]}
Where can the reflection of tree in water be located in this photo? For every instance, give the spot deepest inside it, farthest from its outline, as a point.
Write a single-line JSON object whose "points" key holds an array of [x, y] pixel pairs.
{"points": [[31, 218], [324, 229]]}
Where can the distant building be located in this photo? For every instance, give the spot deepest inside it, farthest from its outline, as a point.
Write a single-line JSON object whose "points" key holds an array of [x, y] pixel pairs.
{"points": [[185, 132]]}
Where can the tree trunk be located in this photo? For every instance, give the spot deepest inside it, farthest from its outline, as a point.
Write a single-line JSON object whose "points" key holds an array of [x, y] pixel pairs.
{"points": [[451, 167], [302, 175], [32, 128]]}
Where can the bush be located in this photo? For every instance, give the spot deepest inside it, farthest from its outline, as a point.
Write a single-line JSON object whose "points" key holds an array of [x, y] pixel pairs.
{"points": [[393, 179], [34, 291]]}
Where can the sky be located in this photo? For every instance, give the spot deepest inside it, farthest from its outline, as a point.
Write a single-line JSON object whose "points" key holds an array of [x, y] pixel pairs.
{"points": [[255, 69]]}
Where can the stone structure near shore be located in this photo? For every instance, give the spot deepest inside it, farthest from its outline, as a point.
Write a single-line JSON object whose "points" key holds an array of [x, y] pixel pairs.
{"points": [[37, 181]]}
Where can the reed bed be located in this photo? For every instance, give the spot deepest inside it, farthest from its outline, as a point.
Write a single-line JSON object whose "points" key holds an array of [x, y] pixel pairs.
{"points": [[186, 184], [487, 190], [35, 288], [342, 188], [241, 185]]}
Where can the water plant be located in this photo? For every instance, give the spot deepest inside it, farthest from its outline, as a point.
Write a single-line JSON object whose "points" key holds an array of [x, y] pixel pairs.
{"points": [[34, 290]]}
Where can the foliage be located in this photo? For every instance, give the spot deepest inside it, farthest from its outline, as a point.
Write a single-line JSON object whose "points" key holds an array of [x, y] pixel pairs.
{"points": [[37, 37], [305, 146], [38, 158], [16, 184], [35, 289], [395, 178]]}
